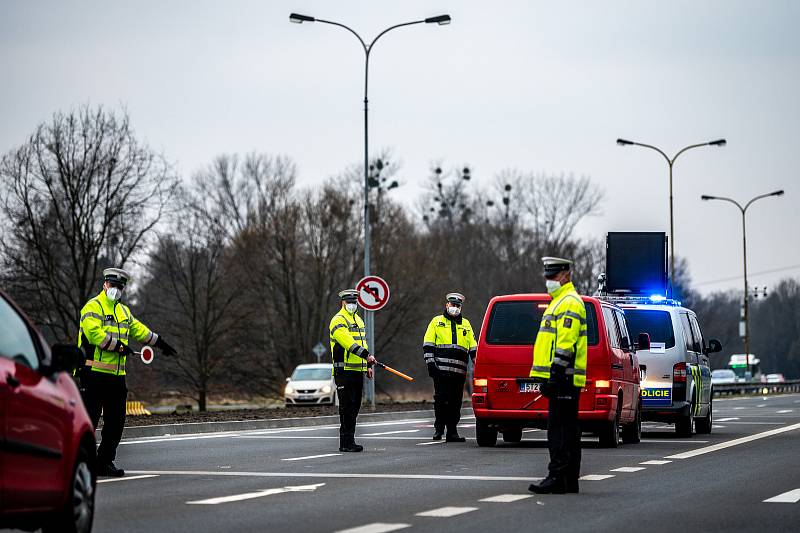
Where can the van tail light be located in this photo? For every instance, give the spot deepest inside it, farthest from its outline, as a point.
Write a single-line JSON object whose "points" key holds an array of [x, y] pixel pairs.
{"points": [[602, 386], [679, 373], [480, 385]]}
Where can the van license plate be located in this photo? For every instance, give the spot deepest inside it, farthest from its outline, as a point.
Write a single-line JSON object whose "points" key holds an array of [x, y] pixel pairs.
{"points": [[529, 387]]}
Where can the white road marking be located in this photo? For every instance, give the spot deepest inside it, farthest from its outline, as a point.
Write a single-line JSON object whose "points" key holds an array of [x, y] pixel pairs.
{"points": [[311, 457], [258, 494], [431, 442], [173, 439], [323, 475], [674, 441], [627, 469], [530, 430], [734, 442], [784, 411], [389, 432], [377, 527], [447, 512], [507, 498], [655, 462], [793, 496], [761, 405], [596, 477], [737, 408], [717, 427], [761, 423], [129, 478], [727, 419]]}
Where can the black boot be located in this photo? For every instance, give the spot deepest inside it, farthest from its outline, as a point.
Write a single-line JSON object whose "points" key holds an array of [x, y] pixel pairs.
{"points": [[454, 437], [572, 486], [437, 434], [109, 470], [348, 444], [550, 485]]}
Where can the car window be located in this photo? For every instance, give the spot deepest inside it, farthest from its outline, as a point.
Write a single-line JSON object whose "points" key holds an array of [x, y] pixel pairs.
{"points": [[517, 323], [657, 324], [311, 374], [15, 337], [688, 336], [611, 327], [623, 327], [699, 343]]}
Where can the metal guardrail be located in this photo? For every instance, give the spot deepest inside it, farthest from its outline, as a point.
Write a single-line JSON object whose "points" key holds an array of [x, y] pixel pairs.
{"points": [[757, 387]]}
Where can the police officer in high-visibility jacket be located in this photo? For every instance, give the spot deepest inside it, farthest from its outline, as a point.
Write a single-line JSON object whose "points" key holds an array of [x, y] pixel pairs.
{"points": [[351, 360], [448, 346], [559, 363], [106, 327]]}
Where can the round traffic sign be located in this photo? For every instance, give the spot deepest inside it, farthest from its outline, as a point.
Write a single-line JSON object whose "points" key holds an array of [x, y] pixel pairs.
{"points": [[373, 293], [147, 355]]}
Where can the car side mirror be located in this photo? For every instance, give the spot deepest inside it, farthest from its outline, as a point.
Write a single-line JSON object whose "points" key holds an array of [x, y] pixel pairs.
{"points": [[643, 342], [714, 346], [64, 358]]}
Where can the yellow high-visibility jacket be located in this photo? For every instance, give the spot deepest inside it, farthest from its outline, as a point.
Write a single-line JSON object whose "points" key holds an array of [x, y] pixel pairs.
{"points": [[448, 344], [104, 325], [348, 342], [562, 337]]}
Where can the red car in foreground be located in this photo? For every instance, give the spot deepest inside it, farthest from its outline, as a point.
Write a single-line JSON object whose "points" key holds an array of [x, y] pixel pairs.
{"points": [[506, 400], [47, 444]]}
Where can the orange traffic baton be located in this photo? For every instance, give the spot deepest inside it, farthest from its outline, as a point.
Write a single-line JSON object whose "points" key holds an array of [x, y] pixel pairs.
{"points": [[393, 371]]}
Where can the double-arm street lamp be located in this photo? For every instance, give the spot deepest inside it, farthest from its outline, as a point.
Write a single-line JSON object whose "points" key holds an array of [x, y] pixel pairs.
{"points": [[744, 260], [671, 163], [441, 20]]}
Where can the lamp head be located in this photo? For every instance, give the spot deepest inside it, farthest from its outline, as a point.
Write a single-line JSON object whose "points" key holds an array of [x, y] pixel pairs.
{"points": [[706, 197], [718, 142], [299, 19], [441, 20], [777, 193], [624, 142]]}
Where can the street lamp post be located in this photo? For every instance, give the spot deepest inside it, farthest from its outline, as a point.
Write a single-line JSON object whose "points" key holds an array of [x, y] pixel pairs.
{"points": [[441, 20], [671, 163], [744, 260]]}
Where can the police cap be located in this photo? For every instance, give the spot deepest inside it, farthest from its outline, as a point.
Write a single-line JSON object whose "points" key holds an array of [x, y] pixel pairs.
{"points": [[116, 275], [349, 295], [554, 265], [455, 298]]}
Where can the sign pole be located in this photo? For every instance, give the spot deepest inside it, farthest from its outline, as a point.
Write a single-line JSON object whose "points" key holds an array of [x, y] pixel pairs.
{"points": [[373, 294]]}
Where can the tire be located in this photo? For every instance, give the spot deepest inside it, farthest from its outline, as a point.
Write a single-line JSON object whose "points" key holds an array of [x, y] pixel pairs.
{"points": [[684, 426], [77, 514], [632, 433], [609, 435], [704, 425], [512, 435], [485, 435]]}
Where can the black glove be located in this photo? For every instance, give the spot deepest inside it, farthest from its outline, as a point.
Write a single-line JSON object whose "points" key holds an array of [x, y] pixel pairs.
{"points": [[433, 371], [164, 347], [124, 349]]}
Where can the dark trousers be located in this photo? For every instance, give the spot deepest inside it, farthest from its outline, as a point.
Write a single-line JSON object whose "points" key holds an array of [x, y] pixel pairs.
{"points": [[107, 394], [448, 393], [349, 386], [564, 434]]}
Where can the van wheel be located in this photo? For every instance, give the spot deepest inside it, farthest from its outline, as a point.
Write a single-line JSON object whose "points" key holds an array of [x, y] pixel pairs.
{"points": [[609, 435], [512, 435], [632, 433], [77, 514], [485, 435], [684, 426], [703, 425]]}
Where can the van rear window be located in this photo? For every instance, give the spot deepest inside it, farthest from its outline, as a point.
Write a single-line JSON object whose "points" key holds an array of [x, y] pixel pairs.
{"points": [[657, 324], [517, 323]]}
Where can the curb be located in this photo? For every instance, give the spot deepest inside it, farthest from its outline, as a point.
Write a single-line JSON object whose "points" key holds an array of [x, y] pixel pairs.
{"points": [[266, 423]]}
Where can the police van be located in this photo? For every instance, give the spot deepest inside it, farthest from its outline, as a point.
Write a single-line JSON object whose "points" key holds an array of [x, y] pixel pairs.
{"points": [[675, 371]]}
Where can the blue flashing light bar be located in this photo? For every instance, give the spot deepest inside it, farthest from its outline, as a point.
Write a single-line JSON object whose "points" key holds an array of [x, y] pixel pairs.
{"points": [[655, 299]]}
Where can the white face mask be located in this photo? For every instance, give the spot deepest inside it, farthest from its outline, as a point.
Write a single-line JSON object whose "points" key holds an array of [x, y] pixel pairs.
{"points": [[453, 311], [552, 285], [113, 293], [350, 308]]}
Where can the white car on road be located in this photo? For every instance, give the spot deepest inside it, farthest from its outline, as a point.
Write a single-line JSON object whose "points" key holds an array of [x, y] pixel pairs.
{"points": [[723, 376], [311, 385]]}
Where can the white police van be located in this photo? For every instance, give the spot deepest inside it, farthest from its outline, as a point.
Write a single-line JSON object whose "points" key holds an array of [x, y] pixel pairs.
{"points": [[676, 375]]}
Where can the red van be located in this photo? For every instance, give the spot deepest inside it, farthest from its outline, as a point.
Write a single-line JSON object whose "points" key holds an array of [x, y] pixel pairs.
{"points": [[506, 400], [47, 445]]}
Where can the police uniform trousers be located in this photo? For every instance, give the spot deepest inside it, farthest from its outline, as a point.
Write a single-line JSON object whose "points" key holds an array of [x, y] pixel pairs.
{"points": [[448, 394], [563, 433], [349, 386], [105, 393]]}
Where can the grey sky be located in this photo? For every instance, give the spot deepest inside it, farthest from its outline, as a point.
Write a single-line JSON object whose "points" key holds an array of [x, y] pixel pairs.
{"points": [[538, 86]]}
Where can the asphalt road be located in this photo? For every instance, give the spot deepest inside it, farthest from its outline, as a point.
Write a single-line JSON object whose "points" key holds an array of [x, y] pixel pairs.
{"points": [[294, 479]]}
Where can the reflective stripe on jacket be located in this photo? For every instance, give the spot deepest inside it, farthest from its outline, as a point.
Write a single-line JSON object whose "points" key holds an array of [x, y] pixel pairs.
{"points": [[449, 345], [562, 337], [104, 325], [348, 342]]}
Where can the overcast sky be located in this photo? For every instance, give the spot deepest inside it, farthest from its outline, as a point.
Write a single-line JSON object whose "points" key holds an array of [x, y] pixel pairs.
{"points": [[542, 86]]}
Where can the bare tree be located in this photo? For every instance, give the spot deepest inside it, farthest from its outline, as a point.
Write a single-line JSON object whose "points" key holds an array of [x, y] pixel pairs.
{"points": [[80, 195]]}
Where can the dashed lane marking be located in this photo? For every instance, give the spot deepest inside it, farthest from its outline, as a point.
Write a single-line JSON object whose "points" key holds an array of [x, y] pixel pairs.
{"points": [[717, 427], [672, 441], [257, 494], [431, 442], [507, 498], [596, 477], [793, 496], [727, 419], [655, 462], [447, 512], [390, 432], [734, 442], [331, 475], [784, 411], [129, 478], [377, 527], [311, 457], [627, 469], [761, 405]]}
